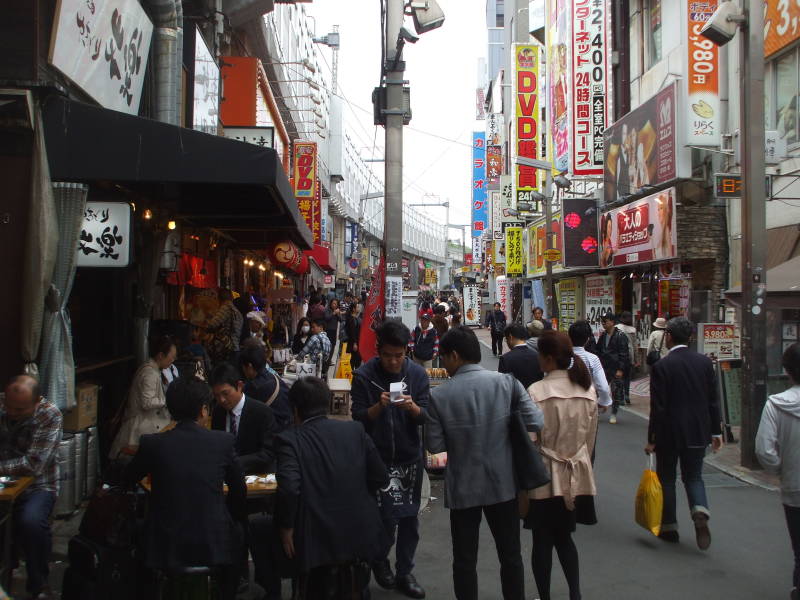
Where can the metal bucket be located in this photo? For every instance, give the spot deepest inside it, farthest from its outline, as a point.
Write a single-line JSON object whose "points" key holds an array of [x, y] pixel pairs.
{"points": [[92, 466], [65, 458], [81, 439]]}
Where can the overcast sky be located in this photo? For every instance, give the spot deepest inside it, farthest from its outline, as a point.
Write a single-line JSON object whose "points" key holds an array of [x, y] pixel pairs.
{"points": [[442, 69]]}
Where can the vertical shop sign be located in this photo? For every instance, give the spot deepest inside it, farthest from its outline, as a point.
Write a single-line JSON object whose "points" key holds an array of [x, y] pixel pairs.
{"points": [[507, 201], [702, 117], [781, 25], [497, 215], [526, 130], [316, 222], [503, 296], [494, 163], [105, 238], [477, 250], [373, 314], [305, 170], [590, 86], [394, 297], [558, 80], [514, 262], [599, 300], [472, 305], [480, 211]]}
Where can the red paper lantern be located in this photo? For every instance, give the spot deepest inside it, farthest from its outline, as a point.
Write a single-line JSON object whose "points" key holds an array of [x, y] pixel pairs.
{"points": [[287, 255]]}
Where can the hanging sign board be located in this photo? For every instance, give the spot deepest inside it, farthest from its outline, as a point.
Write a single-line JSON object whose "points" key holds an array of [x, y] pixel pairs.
{"points": [[105, 237], [472, 305]]}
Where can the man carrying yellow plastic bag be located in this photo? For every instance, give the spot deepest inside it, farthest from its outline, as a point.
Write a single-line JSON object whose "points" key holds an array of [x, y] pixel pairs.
{"points": [[649, 501]]}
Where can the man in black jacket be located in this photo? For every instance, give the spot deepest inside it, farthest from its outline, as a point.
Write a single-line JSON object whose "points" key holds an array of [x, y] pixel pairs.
{"points": [[684, 419], [521, 361], [265, 385], [188, 523], [251, 422], [395, 429], [496, 323], [612, 348]]}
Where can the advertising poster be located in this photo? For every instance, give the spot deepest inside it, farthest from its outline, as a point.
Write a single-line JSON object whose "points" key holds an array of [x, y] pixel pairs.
{"points": [[639, 232], [494, 163], [480, 210], [702, 115], [570, 302], [499, 248], [526, 129], [472, 305], [580, 232], [558, 82], [507, 200], [503, 296], [305, 170], [781, 25], [537, 244], [642, 149], [598, 300], [719, 341], [590, 44], [514, 262]]}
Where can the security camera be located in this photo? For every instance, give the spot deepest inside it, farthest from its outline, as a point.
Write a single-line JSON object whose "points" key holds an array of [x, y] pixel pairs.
{"points": [[721, 27], [427, 14], [407, 36]]}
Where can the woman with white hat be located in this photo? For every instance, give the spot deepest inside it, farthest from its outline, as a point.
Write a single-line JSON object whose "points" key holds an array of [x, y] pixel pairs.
{"points": [[655, 342], [254, 332]]}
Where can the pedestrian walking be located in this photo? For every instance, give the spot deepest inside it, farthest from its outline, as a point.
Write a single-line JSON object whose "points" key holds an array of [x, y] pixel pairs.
{"points": [[580, 332], [521, 360], [778, 450], [625, 325], [613, 349], [496, 324], [535, 329], [469, 418], [424, 342], [655, 343], [569, 404], [352, 327], [684, 419], [538, 315], [394, 427]]}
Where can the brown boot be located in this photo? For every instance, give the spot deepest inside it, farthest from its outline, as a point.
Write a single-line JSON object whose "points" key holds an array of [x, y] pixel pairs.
{"points": [[701, 530]]}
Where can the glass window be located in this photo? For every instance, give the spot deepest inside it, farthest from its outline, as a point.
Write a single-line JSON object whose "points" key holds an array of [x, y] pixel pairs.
{"points": [[652, 25], [786, 90]]}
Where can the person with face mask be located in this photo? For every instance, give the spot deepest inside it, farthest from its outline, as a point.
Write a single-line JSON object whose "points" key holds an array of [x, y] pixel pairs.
{"points": [[302, 335]]}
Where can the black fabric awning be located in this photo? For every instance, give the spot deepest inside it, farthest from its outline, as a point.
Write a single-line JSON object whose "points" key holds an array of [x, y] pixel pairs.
{"points": [[233, 186]]}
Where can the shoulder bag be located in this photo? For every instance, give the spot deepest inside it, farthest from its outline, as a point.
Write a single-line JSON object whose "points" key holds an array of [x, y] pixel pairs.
{"points": [[529, 468]]}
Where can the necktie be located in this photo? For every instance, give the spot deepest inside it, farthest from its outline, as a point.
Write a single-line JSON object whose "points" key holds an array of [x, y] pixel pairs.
{"points": [[232, 420]]}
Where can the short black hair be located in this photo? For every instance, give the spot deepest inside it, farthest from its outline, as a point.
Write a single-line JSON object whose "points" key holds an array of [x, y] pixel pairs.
{"points": [[440, 309], [225, 373], [392, 333], [310, 396], [496, 304], [462, 340], [254, 355], [680, 329], [319, 322], [791, 362], [579, 333], [535, 308], [609, 316], [516, 330], [186, 397], [161, 345]]}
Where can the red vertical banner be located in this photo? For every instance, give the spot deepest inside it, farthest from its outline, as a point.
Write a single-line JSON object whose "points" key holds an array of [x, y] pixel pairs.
{"points": [[373, 315], [316, 221]]}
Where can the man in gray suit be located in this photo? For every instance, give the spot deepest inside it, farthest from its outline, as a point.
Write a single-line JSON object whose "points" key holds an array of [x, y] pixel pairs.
{"points": [[468, 417]]}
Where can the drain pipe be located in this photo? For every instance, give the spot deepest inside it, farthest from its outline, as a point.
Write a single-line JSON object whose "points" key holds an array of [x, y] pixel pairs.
{"points": [[165, 63], [179, 62]]}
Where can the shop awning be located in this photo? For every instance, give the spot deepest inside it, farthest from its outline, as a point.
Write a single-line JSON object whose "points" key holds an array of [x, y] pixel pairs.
{"points": [[783, 279], [217, 182], [323, 257]]}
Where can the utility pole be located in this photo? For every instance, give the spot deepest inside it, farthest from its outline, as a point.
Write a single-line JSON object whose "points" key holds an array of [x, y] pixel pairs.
{"points": [[394, 114], [754, 242], [548, 217]]}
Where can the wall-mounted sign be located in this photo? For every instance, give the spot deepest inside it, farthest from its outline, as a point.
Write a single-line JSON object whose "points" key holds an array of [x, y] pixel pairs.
{"points": [[480, 210], [514, 256], [702, 119], [305, 169], [599, 300], [503, 295], [641, 231], [105, 238], [477, 250], [103, 47], [258, 136], [394, 297], [558, 82], [205, 115], [781, 25], [526, 128], [722, 341]]}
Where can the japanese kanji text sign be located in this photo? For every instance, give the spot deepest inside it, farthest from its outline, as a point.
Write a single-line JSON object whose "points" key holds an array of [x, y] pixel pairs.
{"points": [[525, 136], [480, 208], [702, 80], [105, 236]]}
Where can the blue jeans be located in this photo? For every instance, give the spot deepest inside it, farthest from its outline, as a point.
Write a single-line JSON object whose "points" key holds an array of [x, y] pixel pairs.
{"points": [[33, 535], [691, 460]]}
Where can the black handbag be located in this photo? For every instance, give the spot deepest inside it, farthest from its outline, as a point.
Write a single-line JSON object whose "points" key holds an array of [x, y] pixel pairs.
{"points": [[529, 468], [655, 355]]}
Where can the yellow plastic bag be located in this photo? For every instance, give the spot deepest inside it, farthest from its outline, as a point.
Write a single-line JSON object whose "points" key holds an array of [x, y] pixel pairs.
{"points": [[344, 369], [649, 500]]}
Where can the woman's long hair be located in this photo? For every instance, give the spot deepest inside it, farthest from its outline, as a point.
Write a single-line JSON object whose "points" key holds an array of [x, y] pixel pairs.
{"points": [[557, 345]]}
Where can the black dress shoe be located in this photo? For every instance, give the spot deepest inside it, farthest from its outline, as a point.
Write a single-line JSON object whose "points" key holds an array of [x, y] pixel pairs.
{"points": [[407, 584], [383, 574], [669, 536]]}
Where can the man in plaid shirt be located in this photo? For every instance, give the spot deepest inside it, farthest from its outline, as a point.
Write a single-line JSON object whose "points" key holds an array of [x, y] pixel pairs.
{"points": [[30, 431], [318, 344]]}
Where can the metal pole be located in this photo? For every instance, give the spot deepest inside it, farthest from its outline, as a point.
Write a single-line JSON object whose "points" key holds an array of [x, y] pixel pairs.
{"points": [[393, 208], [548, 215], [754, 242]]}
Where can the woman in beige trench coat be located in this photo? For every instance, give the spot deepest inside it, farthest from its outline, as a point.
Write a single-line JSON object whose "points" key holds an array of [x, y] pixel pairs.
{"points": [[569, 404]]}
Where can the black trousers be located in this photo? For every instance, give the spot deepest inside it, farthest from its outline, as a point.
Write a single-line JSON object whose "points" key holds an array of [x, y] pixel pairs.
{"points": [[465, 526], [497, 342], [793, 523]]}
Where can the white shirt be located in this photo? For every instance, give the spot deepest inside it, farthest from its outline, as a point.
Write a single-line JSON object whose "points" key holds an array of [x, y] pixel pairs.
{"points": [[598, 375], [170, 374], [678, 346], [236, 413]]}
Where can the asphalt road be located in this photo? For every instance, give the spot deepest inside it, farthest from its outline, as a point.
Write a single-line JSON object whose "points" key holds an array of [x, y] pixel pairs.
{"points": [[750, 555]]}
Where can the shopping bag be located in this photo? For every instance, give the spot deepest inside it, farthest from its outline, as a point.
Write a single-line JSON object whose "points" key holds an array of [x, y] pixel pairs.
{"points": [[649, 500]]}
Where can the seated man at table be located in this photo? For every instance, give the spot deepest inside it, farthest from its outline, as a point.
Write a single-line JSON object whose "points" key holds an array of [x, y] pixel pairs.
{"points": [[188, 523], [30, 431], [328, 473], [265, 385], [251, 422]]}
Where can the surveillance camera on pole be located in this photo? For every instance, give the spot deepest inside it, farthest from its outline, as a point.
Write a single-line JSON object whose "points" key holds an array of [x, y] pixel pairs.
{"points": [[427, 15], [722, 25], [407, 36]]}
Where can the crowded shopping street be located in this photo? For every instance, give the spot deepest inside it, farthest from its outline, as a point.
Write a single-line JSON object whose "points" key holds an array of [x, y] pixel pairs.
{"points": [[371, 299]]}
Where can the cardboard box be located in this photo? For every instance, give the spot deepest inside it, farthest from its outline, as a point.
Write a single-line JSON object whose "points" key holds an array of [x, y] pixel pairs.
{"points": [[85, 412]]}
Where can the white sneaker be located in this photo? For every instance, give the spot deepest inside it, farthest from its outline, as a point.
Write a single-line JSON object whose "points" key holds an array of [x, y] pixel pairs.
{"points": [[613, 420]]}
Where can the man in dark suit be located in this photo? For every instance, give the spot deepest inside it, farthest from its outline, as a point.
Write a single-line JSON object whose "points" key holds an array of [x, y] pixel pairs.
{"points": [[521, 361], [188, 523], [684, 418], [613, 350], [265, 385], [251, 422]]}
